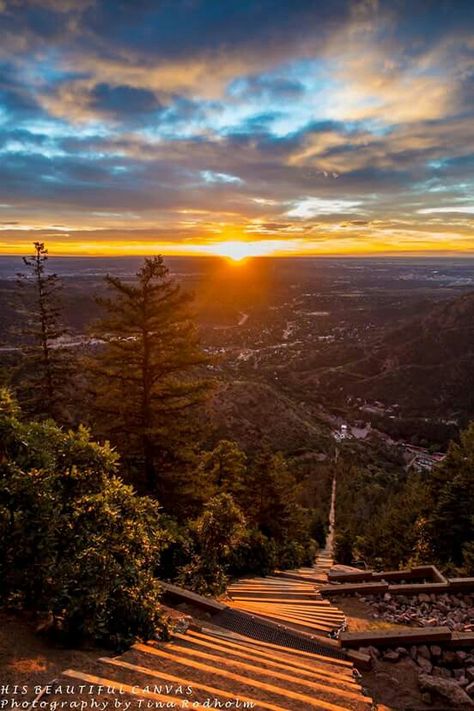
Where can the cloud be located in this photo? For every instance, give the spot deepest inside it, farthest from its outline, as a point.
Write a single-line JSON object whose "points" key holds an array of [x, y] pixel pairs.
{"points": [[296, 115], [123, 100], [465, 209], [212, 177], [313, 207]]}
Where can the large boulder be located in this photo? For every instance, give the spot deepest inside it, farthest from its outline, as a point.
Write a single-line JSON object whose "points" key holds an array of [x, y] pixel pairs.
{"points": [[447, 688]]}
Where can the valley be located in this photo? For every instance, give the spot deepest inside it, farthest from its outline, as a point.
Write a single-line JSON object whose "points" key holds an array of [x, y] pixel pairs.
{"points": [[357, 342]]}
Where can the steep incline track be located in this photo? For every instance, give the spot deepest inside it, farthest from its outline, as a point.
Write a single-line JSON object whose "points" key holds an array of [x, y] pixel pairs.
{"points": [[222, 667], [217, 668], [292, 597]]}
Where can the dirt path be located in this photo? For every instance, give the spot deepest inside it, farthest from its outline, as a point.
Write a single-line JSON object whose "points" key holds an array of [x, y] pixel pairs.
{"points": [[27, 659]]}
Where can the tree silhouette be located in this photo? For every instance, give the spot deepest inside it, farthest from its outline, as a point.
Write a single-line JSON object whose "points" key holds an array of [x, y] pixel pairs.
{"points": [[43, 374], [148, 376]]}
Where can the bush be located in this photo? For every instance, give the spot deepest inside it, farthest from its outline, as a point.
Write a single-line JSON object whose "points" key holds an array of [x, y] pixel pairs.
{"points": [[179, 551], [216, 532], [256, 554], [319, 528], [468, 558], [343, 552], [77, 544], [293, 554]]}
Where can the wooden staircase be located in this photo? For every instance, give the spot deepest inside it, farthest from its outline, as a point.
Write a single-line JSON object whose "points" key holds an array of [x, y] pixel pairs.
{"points": [[207, 668], [221, 668], [211, 665], [291, 598]]}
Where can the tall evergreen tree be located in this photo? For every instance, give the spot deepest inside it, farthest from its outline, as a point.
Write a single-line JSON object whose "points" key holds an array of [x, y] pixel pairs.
{"points": [[270, 490], [223, 469], [148, 376], [451, 488], [43, 374]]}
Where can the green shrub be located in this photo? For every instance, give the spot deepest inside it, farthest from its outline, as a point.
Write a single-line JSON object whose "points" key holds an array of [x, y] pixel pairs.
{"points": [[216, 532], [468, 558], [319, 528], [254, 555], [294, 554], [77, 545], [177, 553], [343, 552]]}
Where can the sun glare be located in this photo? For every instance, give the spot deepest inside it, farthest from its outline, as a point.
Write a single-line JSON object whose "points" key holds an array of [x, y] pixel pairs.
{"points": [[236, 250], [239, 250]]}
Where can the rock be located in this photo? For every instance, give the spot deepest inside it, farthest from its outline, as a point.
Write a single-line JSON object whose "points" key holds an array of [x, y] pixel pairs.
{"points": [[470, 673], [447, 688], [387, 597], [435, 650], [423, 651], [402, 651], [374, 652], [449, 657], [425, 664], [442, 672], [391, 656], [181, 625]]}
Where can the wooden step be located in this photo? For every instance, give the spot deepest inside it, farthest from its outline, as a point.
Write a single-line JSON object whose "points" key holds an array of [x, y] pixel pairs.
{"points": [[428, 635], [316, 695]]}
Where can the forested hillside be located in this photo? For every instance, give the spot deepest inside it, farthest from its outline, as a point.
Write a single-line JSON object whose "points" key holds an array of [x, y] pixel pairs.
{"points": [[392, 517], [426, 366]]}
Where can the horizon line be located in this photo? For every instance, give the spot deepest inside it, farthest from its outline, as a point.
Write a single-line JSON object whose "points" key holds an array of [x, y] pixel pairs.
{"points": [[193, 255]]}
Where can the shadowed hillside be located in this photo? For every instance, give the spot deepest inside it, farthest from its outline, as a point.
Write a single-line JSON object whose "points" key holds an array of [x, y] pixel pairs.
{"points": [[254, 414], [424, 365]]}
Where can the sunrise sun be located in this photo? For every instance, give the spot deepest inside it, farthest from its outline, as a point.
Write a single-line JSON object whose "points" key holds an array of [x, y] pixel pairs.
{"points": [[237, 250]]}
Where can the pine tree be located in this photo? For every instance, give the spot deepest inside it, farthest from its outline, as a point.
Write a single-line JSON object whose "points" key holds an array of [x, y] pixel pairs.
{"points": [[217, 531], [43, 375], [147, 378], [270, 493], [451, 489], [223, 469]]}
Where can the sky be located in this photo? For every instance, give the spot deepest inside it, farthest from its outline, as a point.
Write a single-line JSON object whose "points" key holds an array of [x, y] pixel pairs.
{"points": [[237, 126]]}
